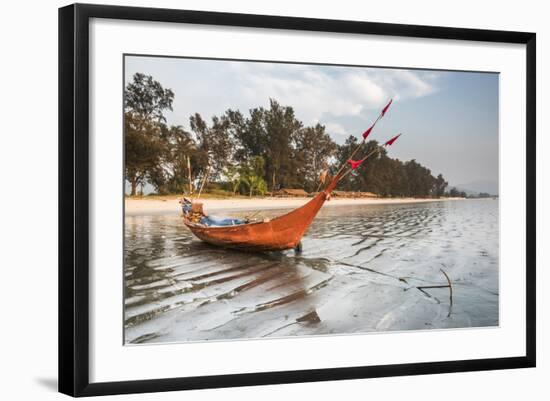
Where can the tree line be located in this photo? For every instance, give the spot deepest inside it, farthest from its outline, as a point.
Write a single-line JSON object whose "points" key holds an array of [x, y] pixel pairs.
{"points": [[262, 151]]}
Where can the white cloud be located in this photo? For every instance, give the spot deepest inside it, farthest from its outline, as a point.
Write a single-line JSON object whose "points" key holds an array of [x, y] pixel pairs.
{"points": [[346, 100], [317, 93], [336, 129]]}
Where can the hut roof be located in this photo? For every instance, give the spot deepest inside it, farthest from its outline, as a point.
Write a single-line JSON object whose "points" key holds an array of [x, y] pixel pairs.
{"points": [[353, 194], [291, 192]]}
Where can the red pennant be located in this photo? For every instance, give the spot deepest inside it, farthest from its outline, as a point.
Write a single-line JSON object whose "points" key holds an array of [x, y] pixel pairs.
{"points": [[387, 107], [367, 132], [391, 141], [355, 163]]}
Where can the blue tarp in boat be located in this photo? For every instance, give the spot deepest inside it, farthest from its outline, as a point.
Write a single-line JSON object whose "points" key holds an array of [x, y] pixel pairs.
{"points": [[220, 221], [213, 221]]}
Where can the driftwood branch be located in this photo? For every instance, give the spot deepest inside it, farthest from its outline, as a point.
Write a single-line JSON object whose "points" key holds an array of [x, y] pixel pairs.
{"points": [[450, 292], [420, 288], [449, 286]]}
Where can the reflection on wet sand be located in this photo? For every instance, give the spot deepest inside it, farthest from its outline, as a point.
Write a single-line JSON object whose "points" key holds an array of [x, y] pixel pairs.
{"points": [[358, 273]]}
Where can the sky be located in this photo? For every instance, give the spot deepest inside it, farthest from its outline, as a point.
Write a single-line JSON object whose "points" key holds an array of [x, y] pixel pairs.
{"points": [[449, 119]]}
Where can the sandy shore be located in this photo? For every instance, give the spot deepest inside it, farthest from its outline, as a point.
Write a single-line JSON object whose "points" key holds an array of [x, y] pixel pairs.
{"points": [[359, 271], [145, 206]]}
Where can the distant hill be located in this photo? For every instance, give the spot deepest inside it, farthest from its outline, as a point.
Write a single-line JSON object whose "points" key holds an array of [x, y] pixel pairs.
{"points": [[475, 187]]}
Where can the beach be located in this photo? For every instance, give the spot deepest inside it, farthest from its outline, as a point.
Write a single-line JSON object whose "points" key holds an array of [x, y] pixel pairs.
{"points": [[363, 268], [168, 205]]}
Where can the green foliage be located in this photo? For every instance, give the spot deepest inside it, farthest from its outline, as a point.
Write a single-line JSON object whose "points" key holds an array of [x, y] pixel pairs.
{"points": [[233, 174], [314, 149], [147, 98], [342, 154], [480, 195], [251, 154], [386, 176], [214, 144], [251, 174], [143, 149], [144, 104], [440, 185], [455, 193]]}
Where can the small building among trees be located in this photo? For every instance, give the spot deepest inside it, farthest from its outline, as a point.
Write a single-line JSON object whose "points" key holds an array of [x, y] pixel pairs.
{"points": [[290, 193], [354, 194]]}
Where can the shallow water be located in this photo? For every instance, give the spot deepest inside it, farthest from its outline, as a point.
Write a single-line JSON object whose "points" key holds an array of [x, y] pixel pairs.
{"points": [[358, 272]]}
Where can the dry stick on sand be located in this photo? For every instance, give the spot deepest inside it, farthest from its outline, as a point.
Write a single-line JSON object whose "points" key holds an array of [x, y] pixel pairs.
{"points": [[450, 292], [420, 288], [449, 286]]}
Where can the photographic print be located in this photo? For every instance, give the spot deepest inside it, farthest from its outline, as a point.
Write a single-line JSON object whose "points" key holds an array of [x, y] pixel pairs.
{"points": [[268, 199]]}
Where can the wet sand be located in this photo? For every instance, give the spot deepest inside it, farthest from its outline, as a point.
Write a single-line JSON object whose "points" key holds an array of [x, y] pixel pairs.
{"points": [[156, 206], [359, 272]]}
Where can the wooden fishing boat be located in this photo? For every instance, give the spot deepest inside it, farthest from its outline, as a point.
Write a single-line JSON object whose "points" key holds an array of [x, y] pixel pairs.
{"points": [[283, 232], [280, 233]]}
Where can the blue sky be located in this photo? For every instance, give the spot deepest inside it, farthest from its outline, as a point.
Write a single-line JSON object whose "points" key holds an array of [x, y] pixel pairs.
{"points": [[449, 120]]}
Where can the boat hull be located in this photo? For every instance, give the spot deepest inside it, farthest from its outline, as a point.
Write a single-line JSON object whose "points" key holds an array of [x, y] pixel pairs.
{"points": [[281, 233]]}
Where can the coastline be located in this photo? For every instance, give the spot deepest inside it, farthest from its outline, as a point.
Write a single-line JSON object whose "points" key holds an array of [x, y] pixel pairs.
{"points": [[162, 206]]}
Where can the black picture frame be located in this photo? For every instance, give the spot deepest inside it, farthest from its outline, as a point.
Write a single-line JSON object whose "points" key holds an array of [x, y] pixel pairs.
{"points": [[74, 198]]}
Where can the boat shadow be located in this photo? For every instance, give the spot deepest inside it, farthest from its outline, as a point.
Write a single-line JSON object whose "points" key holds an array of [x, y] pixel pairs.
{"points": [[289, 257]]}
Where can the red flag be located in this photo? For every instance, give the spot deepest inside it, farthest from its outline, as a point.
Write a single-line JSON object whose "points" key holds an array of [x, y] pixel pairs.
{"points": [[391, 141], [387, 107], [367, 132], [355, 163]]}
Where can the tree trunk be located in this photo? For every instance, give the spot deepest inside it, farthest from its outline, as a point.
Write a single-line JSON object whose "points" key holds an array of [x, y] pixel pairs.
{"points": [[273, 183], [133, 184]]}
